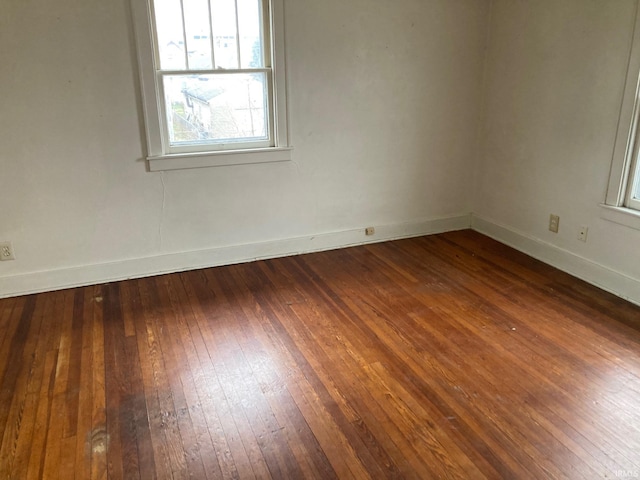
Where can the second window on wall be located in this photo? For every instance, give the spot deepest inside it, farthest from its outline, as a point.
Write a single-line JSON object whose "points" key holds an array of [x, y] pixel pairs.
{"points": [[624, 183]]}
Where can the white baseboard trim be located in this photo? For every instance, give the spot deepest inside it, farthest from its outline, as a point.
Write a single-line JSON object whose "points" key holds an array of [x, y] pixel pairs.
{"points": [[591, 272], [36, 282]]}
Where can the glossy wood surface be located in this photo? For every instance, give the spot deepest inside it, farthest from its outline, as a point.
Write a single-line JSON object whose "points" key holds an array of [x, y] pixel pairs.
{"points": [[449, 356]]}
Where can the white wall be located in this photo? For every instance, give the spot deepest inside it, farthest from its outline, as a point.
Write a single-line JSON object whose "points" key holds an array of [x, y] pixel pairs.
{"points": [[385, 103], [555, 78]]}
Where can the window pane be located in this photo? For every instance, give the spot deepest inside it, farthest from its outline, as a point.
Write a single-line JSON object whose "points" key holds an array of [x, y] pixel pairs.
{"points": [[196, 20], [636, 191], [217, 108], [250, 24], [171, 46], [225, 35]]}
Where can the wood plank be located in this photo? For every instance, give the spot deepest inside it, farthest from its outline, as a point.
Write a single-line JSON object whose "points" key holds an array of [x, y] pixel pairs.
{"points": [[99, 442], [165, 417], [312, 457], [152, 378], [10, 310], [448, 356], [67, 457], [228, 362], [72, 392], [12, 365], [184, 395], [82, 449], [548, 360], [377, 461], [485, 445], [55, 428], [271, 368], [457, 340], [36, 376], [42, 429], [21, 376], [51, 325], [224, 430], [117, 428], [137, 396]]}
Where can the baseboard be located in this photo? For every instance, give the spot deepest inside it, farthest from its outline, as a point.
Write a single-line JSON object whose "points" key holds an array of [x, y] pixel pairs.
{"points": [[36, 282], [603, 277]]}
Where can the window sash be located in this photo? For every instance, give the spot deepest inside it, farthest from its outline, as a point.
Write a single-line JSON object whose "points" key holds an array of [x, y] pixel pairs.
{"points": [[213, 146], [264, 21], [170, 147]]}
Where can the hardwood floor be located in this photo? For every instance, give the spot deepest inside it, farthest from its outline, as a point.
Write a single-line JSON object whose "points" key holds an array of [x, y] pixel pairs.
{"points": [[449, 356]]}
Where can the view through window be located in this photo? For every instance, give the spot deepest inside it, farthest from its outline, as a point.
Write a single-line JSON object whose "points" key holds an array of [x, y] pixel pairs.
{"points": [[212, 62], [634, 186]]}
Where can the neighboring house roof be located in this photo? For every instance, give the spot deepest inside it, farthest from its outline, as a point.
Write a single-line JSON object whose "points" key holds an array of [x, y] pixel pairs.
{"points": [[204, 93]]}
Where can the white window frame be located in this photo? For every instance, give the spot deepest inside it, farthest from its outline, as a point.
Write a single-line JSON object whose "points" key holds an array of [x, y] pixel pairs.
{"points": [[619, 205], [159, 154]]}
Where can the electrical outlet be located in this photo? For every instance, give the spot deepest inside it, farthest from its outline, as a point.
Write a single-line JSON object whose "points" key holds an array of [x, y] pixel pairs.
{"points": [[6, 251], [369, 231], [582, 233], [554, 223]]}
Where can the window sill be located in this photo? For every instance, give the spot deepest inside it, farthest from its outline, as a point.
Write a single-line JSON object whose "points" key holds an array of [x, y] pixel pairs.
{"points": [[180, 161], [621, 215]]}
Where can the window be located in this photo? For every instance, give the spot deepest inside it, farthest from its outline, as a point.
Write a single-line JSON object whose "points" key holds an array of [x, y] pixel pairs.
{"points": [[213, 85], [623, 193]]}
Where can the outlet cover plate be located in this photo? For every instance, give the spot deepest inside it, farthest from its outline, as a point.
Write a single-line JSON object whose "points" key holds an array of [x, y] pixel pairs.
{"points": [[582, 233], [6, 251]]}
